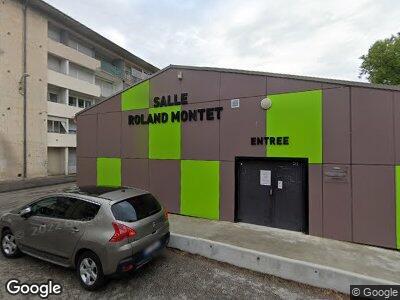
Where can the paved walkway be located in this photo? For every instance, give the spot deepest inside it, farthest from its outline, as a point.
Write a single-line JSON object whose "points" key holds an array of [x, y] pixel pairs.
{"points": [[21, 184], [365, 260]]}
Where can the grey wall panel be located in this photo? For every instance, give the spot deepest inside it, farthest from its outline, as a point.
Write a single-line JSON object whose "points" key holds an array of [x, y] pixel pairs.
{"points": [[109, 135], [86, 136], [200, 85], [277, 85], [336, 125], [238, 125], [166, 83], [135, 138], [165, 182], [374, 220], [241, 85], [227, 191], [110, 105], [200, 139], [372, 126], [86, 171], [135, 173], [337, 223], [397, 125], [315, 199]]}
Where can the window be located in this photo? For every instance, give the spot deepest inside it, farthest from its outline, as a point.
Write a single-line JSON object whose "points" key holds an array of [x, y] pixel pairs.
{"points": [[106, 88], [83, 211], [88, 103], [81, 103], [80, 73], [45, 207], [54, 33], [53, 97], [56, 126], [54, 63], [79, 46], [71, 128], [136, 208], [72, 101]]}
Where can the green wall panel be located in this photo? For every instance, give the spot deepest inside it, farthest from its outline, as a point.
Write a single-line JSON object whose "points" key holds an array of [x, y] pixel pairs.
{"points": [[200, 188], [398, 206], [137, 97], [109, 172], [299, 117], [165, 138]]}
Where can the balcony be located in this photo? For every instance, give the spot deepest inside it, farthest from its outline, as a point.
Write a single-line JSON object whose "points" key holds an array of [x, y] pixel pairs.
{"points": [[72, 55], [61, 140], [68, 82], [62, 110], [111, 69]]}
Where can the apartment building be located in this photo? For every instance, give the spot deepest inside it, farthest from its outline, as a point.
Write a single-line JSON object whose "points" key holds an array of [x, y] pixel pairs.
{"points": [[51, 67]]}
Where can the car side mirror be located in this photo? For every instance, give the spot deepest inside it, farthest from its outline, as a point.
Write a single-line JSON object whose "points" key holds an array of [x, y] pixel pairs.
{"points": [[26, 212]]}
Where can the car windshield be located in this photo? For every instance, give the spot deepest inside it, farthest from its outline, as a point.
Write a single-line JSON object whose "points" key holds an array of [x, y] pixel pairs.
{"points": [[135, 208]]}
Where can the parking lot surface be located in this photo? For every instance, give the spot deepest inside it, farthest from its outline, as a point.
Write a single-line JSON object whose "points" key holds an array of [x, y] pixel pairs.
{"points": [[173, 275]]}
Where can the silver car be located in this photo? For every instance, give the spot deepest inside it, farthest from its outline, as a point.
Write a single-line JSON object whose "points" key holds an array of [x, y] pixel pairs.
{"points": [[98, 232]]}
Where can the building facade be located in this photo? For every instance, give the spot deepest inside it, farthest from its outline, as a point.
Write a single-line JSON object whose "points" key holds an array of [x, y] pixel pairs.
{"points": [[306, 154], [51, 67]]}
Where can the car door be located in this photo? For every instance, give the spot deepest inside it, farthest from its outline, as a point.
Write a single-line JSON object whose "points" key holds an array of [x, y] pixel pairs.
{"points": [[77, 214], [36, 228]]}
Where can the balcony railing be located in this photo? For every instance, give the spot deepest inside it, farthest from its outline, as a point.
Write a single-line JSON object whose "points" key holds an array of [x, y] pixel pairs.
{"points": [[110, 68]]}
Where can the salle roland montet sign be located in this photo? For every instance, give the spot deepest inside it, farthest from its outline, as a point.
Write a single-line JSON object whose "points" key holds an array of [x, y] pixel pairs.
{"points": [[188, 115]]}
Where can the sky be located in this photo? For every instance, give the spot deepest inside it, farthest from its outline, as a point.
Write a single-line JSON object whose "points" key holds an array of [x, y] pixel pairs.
{"points": [[319, 38]]}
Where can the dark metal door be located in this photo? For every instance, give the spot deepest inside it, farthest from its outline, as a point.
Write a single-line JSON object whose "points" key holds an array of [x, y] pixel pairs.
{"points": [[272, 192]]}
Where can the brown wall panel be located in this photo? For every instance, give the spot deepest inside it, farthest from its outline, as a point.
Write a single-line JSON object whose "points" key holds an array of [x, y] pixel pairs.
{"points": [[315, 199], [336, 125], [135, 173], [374, 217], [241, 85], [238, 125], [165, 182], [227, 191], [109, 135], [337, 223], [86, 136], [86, 174], [135, 138], [200, 85], [166, 83], [397, 125], [200, 139], [277, 85], [110, 105], [372, 126]]}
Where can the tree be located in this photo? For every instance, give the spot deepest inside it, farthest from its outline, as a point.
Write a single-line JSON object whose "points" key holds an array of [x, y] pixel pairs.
{"points": [[382, 63]]}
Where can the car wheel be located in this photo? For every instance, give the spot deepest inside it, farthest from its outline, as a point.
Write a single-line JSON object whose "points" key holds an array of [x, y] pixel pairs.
{"points": [[9, 246], [90, 271]]}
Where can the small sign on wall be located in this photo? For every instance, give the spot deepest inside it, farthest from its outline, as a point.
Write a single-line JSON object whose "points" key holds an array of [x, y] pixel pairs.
{"points": [[235, 103], [265, 177], [280, 184]]}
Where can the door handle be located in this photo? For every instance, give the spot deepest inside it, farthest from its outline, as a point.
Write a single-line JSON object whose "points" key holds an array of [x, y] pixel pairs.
{"points": [[75, 229]]}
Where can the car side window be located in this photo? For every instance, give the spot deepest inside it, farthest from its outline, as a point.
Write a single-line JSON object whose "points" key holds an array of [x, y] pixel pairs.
{"points": [[44, 207], [54, 207], [84, 211]]}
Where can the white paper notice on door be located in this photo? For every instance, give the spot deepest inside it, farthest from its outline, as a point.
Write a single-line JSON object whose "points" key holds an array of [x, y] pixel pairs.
{"points": [[265, 177]]}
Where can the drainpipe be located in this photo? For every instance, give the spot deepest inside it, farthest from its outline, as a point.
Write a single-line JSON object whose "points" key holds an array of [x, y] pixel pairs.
{"points": [[25, 6]]}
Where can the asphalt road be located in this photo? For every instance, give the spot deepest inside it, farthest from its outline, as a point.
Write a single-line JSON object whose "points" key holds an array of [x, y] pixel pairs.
{"points": [[174, 274]]}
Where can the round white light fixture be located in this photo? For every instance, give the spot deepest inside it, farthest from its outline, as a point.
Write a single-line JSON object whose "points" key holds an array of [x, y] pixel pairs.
{"points": [[266, 103]]}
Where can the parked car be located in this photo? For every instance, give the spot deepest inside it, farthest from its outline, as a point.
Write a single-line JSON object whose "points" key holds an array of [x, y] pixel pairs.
{"points": [[98, 232]]}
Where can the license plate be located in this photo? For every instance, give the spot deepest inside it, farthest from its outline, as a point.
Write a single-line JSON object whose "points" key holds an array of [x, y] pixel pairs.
{"points": [[152, 248]]}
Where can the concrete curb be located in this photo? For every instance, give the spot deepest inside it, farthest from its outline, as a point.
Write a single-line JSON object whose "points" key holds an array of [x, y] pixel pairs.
{"points": [[15, 185], [300, 271]]}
